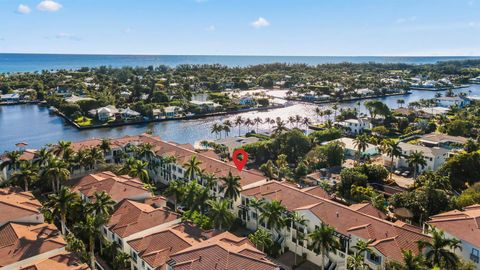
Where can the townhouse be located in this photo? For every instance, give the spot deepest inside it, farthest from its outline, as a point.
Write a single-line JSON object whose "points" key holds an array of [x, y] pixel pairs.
{"points": [[463, 225], [20, 207], [351, 223]]}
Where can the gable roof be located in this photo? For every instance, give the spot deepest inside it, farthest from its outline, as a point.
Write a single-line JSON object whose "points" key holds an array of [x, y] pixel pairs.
{"points": [[63, 261], [15, 205], [464, 225], [19, 241], [118, 187], [130, 217]]}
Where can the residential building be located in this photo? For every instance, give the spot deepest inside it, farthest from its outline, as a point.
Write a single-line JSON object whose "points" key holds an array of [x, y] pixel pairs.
{"points": [[434, 156], [351, 149], [355, 126], [10, 98], [129, 114], [117, 187], [463, 225], [62, 261], [442, 140], [105, 113], [20, 207], [233, 143], [351, 223], [133, 219], [448, 102]]}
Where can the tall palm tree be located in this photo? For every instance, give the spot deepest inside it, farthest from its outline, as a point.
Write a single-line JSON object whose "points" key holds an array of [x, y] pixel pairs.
{"points": [[102, 205], [12, 160], [257, 120], [226, 129], [391, 149], [209, 180], [58, 171], [273, 216], [410, 262], [261, 238], [42, 157], [267, 121], [61, 149], [216, 128], [323, 240], [416, 160], [220, 213], [257, 206], [231, 186], [249, 123], [306, 122], [121, 261], [291, 120], [279, 127], [26, 174], [175, 189], [61, 203], [90, 228], [440, 252], [192, 168], [239, 122], [105, 145], [361, 143], [94, 157]]}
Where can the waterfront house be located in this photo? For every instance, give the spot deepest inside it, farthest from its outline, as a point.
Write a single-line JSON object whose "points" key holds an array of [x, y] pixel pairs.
{"points": [[105, 113], [129, 114], [355, 126], [447, 102], [434, 156], [75, 99], [246, 100], [442, 140], [19, 206], [351, 224], [10, 98], [172, 111], [463, 225]]}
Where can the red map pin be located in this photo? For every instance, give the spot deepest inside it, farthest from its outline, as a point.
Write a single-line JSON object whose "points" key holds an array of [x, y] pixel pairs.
{"points": [[240, 163]]}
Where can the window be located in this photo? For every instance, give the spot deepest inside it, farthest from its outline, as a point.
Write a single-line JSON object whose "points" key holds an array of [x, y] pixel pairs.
{"points": [[474, 256], [254, 215], [134, 256], [374, 258]]}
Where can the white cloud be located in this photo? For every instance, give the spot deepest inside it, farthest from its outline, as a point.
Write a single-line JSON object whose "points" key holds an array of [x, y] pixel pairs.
{"points": [[406, 20], [49, 5], [23, 9], [210, 28], [260, 22]]}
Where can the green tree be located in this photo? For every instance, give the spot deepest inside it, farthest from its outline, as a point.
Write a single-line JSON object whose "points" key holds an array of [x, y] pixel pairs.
{"points": [[361, 144], [273, 216], [410, 262], [175, 189], [323, 240], [61, 203], [392, 150], [261, 238], [220, 213], [192, 168], [440, 252], [231, 186], [27, 174], [416, 160]]}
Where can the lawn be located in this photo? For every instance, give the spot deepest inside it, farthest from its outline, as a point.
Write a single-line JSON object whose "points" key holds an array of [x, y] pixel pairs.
{"points": [[83, 121]]}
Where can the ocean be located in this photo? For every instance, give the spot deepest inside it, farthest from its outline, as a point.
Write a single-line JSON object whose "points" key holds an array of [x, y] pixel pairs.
{"points": [[39, 62]]}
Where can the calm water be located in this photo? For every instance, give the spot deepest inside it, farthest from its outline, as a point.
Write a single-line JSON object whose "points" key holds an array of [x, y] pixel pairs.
{"points": [[37, 127], [38, 62]]}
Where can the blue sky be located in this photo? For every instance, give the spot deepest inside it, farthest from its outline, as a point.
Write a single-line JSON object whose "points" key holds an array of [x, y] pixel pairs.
{"points": [[242, 27]]}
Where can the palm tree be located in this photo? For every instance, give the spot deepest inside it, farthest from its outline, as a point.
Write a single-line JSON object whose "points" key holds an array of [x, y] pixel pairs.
{"points": [[335, 108], [306, 122], [440, 251], [216, 128], [323, 240], [410, 262], [249, 123], [280, 126], [400, 102], [90, 228], [297, 219], [209, 180], [121, 261], [192, 168], [12, 160], [58, 170], [102, 205], [361, 143], [62, 148], [27, 174], [261, 239], [267, 121], [273, 216], [220, 213], [42, 157], [175, 189], [356, 262], [61, 203], [139, 169], [416, 159], [226, 129], [239, 122], [257, 206], [94, 156], [105, 145], [291, 120], [231, 186], [257, 120], [392, 150]]}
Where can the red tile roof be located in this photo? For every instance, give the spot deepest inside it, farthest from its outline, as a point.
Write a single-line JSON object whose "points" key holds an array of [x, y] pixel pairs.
{"points": [[16, 205], [464, 225], [118, 187], [63, 261], [369, 209], [19, 241], [131, 217]]}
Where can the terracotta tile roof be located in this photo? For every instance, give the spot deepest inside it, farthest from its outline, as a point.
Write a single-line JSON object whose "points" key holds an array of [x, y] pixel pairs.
{"points": [[369, 209], [464, 225], [155, 249], [389, 238], [118, 187], [19, 241], [317, 191], [27, 155], [16, 205], [290, 196], [63, 261], [183, 152], [224, 251], [131, 217]]}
